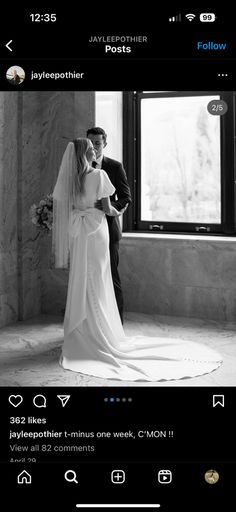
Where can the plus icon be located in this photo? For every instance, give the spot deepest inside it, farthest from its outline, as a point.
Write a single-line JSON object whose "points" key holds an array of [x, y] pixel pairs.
{"points": [[118, 476]]}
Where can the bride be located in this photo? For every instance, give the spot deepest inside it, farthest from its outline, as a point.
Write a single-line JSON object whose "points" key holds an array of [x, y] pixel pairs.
{"points": [[94, 339]]}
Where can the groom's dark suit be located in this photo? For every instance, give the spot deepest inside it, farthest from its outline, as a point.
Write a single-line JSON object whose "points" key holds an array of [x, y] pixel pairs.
{"points": [[121, 197]]}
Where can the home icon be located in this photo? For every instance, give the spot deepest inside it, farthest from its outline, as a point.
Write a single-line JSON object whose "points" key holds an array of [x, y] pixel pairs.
{"points": [[24, 478]]}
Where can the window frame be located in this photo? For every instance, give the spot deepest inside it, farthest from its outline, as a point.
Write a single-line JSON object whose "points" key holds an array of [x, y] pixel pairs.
{"points": [[132, 163]]}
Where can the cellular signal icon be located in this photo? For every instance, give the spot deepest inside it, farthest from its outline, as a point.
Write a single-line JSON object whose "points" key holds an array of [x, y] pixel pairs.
{"points": [[175, 18], [190, 17]]}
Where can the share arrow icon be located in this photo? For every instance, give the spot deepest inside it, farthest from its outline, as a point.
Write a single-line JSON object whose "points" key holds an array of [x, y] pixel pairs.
{"points": [[64, 399]]}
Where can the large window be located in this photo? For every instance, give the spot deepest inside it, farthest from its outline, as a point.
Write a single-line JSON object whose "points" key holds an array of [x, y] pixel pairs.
{"points": [[180, 160], [182, 165], [108, 115]]}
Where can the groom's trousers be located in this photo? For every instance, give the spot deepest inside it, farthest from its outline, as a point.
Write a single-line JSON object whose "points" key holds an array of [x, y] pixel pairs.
{"points": [[114, 257]]}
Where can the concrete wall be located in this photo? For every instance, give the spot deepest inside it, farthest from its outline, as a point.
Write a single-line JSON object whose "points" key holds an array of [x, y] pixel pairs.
{"points": [[34, 130], [179, 276], [8, 208]]}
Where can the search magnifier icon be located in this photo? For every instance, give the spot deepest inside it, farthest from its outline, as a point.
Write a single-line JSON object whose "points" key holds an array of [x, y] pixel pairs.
{"points": [[70, 476]]}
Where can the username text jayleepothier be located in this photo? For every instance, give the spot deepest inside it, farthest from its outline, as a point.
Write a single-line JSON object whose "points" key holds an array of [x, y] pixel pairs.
{"points": [[56, 76], [118, 39]]}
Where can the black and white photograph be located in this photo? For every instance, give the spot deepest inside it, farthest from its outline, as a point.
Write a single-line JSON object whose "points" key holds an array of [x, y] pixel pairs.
{"points": [[117, 238]]}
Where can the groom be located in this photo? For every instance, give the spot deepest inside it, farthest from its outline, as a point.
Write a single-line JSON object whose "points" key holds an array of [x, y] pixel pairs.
{"points": [[119, 200]]}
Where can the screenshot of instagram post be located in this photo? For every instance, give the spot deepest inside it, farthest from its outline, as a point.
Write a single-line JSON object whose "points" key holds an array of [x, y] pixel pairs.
{"points": [[117, 260]]}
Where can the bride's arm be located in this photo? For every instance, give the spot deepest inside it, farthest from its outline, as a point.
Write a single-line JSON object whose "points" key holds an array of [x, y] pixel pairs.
{"points": [[109, 209]]}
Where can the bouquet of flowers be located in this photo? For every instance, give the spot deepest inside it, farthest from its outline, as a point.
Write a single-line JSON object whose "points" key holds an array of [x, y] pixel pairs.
{"points": [[42, 214]]}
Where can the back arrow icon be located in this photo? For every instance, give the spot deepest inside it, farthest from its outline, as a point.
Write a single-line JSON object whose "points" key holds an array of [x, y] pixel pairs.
{"points": [[8, 45]]}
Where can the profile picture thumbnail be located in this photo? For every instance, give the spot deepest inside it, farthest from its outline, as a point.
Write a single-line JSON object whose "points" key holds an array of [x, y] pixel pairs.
{"points": [[15, 75]]}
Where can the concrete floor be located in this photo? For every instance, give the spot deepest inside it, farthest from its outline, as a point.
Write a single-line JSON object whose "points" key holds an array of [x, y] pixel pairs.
{"points": [[30, 351]]}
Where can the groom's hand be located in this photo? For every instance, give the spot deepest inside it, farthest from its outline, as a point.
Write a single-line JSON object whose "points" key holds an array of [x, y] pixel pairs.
{"points": [[98, 204], [124, 209]]}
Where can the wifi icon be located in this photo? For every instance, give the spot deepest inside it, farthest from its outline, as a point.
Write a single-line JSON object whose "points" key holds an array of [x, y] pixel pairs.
{"points": [[190, 17]]}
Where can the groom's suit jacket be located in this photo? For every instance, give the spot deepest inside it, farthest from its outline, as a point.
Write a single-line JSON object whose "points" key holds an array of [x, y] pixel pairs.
{"points": [[120, 198]]}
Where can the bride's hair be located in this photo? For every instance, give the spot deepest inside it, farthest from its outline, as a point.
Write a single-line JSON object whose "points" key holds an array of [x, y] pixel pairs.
{"points": [[82, 166]]}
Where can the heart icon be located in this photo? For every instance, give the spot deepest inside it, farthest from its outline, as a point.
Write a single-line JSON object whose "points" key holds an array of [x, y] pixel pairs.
{"points": [[15, 400]]}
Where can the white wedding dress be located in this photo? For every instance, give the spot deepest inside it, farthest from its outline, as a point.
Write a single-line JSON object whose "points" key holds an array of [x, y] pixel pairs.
{"points": [[94, 339]]}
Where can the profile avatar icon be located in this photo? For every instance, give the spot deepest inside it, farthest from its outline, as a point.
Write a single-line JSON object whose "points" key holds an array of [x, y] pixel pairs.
{"points": [[212, 476], [15, 75]]}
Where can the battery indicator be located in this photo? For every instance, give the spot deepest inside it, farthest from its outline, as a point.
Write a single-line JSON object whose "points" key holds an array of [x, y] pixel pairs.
{"points": [[207, 16]]}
